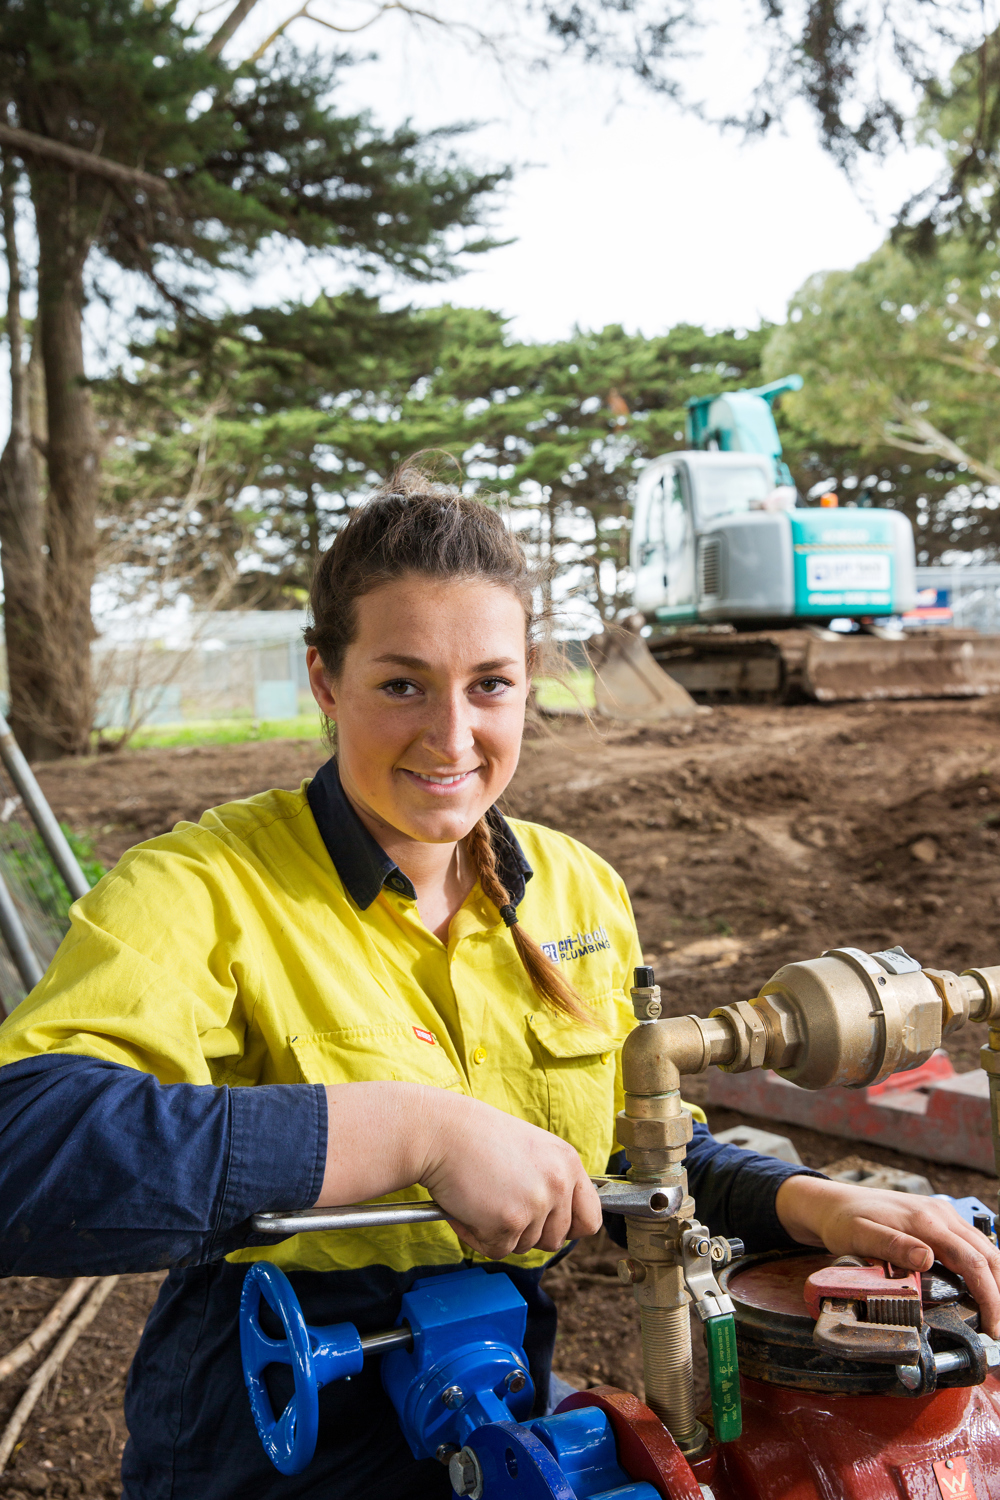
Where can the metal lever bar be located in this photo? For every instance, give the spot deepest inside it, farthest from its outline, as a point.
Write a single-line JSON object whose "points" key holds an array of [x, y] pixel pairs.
{"points": [[618, 1195], [44, 819]]}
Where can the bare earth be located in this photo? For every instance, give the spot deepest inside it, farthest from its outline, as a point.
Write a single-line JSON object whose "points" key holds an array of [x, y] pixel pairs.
{"points": [[754, 837]]}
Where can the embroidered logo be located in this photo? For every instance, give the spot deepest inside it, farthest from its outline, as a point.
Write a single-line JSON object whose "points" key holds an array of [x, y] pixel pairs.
{"points": [[564, 950], [425, 1036]]}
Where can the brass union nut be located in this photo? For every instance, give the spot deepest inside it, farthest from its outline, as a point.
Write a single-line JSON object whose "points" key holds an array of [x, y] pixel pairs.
{"points": [[955, 998], [651, 1135], [750, 1033]]}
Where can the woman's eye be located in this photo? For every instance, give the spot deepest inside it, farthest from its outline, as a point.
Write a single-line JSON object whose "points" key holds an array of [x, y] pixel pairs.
{"points": [[399, 688], [494, 686]]}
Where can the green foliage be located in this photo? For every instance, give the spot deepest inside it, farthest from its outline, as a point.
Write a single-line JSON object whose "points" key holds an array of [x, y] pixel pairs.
{"points": [[28, 866], [898, 357], [252, 153], [275, 423], [960, 115], [226, 732]]}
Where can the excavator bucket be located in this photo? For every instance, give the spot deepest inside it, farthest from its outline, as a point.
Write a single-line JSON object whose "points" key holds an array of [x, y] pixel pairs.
{"points": [[921, 664], [628, 684]]}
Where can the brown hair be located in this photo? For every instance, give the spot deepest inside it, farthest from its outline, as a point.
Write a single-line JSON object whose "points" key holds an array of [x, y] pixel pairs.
{"points": [[414, 524]]}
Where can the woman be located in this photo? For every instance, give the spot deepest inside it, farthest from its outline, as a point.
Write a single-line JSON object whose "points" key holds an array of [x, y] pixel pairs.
{"points": [[339, 993]]}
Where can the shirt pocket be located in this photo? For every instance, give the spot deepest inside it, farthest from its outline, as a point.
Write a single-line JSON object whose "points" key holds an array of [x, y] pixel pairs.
{"points": [[388, 1053], [579, 1066]]}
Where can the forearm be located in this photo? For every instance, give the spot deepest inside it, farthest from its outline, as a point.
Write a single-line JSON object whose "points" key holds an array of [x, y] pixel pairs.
{"points": [[103, 1169], [381, 1137]]}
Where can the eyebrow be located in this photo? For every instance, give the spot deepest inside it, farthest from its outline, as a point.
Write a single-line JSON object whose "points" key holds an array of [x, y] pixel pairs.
{"points": [[419, 665]]}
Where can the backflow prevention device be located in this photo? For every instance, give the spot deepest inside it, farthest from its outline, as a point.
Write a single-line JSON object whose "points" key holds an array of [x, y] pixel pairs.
{"points": [[858, 1380]]}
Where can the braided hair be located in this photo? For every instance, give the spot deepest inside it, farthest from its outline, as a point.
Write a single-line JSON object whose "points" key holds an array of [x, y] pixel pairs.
{"points": [[415, 524]]}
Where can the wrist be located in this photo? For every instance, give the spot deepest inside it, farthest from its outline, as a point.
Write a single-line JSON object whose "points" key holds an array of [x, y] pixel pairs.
{"points": [[444, 1119], [801, 1203], [381, 1137]]}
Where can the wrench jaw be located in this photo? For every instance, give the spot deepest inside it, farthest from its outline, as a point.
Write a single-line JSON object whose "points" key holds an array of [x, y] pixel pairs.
{"points": [[653, 1201], [865, 1314]]}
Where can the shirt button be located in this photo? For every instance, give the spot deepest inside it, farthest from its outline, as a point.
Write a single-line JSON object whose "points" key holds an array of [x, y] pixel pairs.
{"points": [[479, 1056], [606, 1057]]}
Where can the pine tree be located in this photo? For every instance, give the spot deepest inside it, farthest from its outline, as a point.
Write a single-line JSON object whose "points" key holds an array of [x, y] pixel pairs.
{"points": [[142, 146]]}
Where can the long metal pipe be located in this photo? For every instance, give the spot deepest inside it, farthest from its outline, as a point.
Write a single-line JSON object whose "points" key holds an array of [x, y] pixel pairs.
{"points": [[17, 941], [42, 815], [648, 1201]]}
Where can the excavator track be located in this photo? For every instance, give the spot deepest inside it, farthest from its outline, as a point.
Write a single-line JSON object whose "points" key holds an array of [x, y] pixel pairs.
{"points": [[782, 666]]}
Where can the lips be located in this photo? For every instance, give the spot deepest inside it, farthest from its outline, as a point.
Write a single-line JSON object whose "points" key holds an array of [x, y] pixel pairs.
{"points": [[440, 782]]}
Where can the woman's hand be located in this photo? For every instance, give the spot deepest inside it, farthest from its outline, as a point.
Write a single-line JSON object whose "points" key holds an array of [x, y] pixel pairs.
{"points": [[507, 1186], [909, 1231]]}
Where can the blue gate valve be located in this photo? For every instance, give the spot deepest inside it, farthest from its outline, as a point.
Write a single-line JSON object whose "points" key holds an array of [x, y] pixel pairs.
{"points": [[455, 1370], [453, 1362]]}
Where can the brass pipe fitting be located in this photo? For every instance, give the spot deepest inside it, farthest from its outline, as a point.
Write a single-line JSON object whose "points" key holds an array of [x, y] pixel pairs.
{"points": [[668, 1372], [846, 1019]]}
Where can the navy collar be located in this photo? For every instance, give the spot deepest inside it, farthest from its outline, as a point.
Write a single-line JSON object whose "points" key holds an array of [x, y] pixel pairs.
{"points": [[363, 864]]}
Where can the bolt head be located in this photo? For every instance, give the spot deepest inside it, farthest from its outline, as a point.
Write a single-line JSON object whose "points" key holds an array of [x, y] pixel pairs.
{"points": [[630, 1271], [516, 1381], [453, 1397], [703, 1247], [464, 1473], [443, 1453]]}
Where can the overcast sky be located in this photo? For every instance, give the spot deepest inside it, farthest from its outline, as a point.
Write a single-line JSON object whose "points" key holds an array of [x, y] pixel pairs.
{"points": [[624, 209]]}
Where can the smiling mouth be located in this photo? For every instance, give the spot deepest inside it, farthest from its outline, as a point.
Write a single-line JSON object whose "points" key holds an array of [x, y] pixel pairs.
{"points": [[429, 779]]}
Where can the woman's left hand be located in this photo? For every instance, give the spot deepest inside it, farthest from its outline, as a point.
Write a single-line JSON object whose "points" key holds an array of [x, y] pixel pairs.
{"points": [[907, 1230]]}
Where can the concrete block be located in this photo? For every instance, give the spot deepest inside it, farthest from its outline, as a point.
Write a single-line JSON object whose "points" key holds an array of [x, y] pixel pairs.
{"points": [[752, 1138]]}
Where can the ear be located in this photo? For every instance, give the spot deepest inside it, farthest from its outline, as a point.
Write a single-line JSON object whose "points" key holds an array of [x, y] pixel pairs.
{"points": [[319, 682]]}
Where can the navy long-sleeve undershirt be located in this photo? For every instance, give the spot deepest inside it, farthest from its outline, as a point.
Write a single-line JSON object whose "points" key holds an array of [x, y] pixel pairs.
{"points": [[103, 1169]]}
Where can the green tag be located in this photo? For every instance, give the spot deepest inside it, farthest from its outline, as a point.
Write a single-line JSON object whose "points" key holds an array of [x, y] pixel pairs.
{"points": [[724, 1377]]}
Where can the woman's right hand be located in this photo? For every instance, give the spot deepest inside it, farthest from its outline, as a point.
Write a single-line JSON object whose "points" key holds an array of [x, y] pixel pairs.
{"points": [[506, 1186]]}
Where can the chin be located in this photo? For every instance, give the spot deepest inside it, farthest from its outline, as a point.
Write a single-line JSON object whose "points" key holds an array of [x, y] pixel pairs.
{"points": [[446, 829]]}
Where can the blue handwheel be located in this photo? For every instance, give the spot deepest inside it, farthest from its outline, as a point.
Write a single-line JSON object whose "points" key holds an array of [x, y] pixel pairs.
{"points": [[316, 1355]]}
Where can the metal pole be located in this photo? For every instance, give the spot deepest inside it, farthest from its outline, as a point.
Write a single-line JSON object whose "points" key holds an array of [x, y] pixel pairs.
{"points": [[42, 815], [20, 949], [648, 1201]]}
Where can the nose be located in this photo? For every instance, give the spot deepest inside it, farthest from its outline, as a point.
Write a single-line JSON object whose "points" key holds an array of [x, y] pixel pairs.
{"points": [[448, 733]]}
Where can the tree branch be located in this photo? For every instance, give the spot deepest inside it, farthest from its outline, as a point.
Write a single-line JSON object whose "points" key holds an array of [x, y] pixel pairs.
{"points": [[917, 435], [25, 142], [235, 19]]}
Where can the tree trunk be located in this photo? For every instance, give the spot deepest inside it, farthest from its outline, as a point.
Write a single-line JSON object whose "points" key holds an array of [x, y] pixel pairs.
{"points": [[21, 556], [74, 456]]}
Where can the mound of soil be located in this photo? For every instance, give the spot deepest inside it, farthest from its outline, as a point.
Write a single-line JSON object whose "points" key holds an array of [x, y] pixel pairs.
{"points": [[749, 838]]}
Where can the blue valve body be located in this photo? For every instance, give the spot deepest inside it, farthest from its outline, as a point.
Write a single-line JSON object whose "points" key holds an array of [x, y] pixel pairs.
{"points": [[570, 1456], [468, 1335]]}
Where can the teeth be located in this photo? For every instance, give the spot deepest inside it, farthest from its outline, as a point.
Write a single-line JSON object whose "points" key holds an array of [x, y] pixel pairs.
{"points": [[440, 780]]}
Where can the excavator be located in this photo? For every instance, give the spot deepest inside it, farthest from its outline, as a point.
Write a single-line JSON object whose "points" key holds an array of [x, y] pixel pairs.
{"points": [[737, 584]]}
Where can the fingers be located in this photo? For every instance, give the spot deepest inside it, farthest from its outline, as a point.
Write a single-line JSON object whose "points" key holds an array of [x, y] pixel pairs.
{"points": [[588, 1213], [508, 1186], [885, 1242], [911, 1235], [976, 1259]]}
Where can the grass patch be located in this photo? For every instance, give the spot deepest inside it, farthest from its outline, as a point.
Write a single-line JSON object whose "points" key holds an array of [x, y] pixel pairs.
{"points": [[561, 695], [226, 732]]}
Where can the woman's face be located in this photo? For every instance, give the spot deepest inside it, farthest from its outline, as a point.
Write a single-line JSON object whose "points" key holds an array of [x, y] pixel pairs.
{"points": [[429, 704]]}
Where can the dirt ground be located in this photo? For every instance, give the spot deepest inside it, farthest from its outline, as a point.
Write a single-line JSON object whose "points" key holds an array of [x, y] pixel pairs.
{"points": [[754, 836]]}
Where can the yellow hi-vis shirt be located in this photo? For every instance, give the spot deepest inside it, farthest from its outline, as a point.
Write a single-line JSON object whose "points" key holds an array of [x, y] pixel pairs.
{"points": [[229, 953]]}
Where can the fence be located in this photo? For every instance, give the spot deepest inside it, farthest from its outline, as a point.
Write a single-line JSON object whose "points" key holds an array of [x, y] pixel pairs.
{"points": [[250, 664], [972, 595]]}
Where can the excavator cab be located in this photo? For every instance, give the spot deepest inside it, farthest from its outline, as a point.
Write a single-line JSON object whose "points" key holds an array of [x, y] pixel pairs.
{"points": [[740, 584]]}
